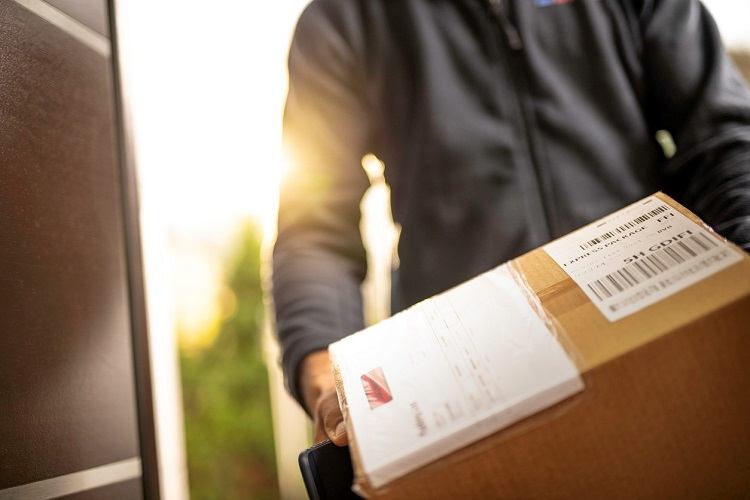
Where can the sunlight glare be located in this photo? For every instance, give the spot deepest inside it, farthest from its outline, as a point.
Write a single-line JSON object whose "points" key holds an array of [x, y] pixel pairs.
{"points": [[206, 98]]}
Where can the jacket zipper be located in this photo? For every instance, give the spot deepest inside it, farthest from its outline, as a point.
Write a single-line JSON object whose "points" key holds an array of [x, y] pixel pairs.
{"points": [[514, 42], [497, 7]]}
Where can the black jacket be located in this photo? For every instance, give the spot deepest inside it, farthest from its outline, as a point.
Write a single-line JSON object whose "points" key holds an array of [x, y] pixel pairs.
{"points": [[502, 124]]}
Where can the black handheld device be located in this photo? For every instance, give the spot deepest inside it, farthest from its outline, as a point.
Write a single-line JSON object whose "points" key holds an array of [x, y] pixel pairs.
{"points": [[327, 472]]}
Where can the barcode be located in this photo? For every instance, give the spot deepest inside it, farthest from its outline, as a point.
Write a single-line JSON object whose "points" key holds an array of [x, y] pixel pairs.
{"points": [[651, 265], [621, 229]]}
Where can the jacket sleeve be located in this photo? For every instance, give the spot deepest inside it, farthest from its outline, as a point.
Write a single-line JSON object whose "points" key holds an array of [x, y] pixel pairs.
{"points": [[695, 92], [319, 260]]}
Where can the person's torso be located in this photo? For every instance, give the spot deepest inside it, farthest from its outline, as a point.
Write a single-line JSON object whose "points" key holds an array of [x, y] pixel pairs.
{"points": [[491, 147]]}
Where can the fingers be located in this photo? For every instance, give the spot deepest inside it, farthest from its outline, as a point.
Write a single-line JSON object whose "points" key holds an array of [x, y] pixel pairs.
{"points": [[319, 433], [329, 422], [339, 436], [319, 393]]}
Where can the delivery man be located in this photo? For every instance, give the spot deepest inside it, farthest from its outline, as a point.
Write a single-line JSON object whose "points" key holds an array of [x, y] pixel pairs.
{"points": [[502, 124]]}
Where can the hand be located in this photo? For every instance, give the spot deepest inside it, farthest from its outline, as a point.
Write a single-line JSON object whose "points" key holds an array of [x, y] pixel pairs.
{"points": [[319, 393]]}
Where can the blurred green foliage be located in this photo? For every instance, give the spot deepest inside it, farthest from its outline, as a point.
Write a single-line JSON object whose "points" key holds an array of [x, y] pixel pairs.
{"points": [[225, 395]]}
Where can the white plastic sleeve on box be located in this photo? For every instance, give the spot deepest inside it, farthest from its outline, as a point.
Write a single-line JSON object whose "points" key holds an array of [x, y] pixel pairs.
{"points": [[447, 372]]}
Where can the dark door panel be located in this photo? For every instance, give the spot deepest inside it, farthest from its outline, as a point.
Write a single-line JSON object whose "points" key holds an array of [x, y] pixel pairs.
{"points": [[67, 393]]}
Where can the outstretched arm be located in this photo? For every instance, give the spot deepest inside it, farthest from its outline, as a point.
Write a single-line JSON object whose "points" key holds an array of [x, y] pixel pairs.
{"points": [[319, 261], [696, 93]]}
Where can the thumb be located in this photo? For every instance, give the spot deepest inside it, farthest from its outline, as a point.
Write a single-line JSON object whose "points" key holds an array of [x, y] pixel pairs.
{"points": [[339, 436]]}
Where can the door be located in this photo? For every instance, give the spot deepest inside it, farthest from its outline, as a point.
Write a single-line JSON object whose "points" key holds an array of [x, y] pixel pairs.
{"points": [[75, 406]]}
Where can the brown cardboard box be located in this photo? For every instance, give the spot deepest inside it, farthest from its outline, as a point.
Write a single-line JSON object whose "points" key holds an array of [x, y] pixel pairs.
{"points": [[665, 412]]}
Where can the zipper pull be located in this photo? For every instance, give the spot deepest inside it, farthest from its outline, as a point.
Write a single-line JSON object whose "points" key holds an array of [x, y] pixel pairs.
{"points": [[512, 36]]}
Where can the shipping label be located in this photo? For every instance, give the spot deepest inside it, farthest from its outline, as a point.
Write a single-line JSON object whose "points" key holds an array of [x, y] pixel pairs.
{"points": [[447, 372], [640, 255]]}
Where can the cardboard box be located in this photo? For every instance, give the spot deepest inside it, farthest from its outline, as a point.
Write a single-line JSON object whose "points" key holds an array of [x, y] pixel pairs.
{"points": [[665, 411]]}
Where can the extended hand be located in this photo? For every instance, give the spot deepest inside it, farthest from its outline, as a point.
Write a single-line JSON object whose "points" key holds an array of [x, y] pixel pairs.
{"points": [[319, 392]]}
